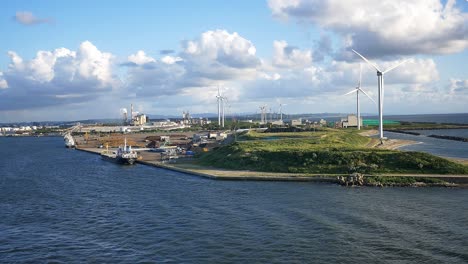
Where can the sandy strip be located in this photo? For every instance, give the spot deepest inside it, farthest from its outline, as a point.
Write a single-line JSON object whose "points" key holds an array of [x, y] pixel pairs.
{"points": [[388, 143], [458, 160], [396, 143], [369, 133]]}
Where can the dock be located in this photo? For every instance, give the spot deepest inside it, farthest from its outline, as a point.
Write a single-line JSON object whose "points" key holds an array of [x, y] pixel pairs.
{"points": [[187, 167], [190, 168]]}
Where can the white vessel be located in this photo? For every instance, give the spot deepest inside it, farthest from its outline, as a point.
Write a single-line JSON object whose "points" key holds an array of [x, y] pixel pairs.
{"points": [[69, 141]]}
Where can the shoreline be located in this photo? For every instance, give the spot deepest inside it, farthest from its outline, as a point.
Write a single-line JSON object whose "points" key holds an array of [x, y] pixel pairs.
{"points": [[222, 174], [390, 144]]}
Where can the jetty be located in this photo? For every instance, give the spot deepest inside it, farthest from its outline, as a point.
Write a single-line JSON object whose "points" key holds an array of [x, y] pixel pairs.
{"points": [[184, 162], [188, 167]]}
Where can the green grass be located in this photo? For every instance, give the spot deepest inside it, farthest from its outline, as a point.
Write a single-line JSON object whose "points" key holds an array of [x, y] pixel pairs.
{"points": [[402, 180], [331, 151]]}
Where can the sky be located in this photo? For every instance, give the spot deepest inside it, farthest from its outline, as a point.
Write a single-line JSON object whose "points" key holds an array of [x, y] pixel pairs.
{"points": [[73, 60]]}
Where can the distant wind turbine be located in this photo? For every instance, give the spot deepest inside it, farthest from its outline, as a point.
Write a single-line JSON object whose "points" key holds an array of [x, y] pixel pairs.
{"points": [[380, 85], [281, 111], [219, 99], [263, 114], [222, 109], [357, 90]]}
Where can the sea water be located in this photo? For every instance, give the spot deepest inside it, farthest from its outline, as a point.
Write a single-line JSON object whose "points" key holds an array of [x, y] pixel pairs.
{"points": [[63, 205], [435, 146]]}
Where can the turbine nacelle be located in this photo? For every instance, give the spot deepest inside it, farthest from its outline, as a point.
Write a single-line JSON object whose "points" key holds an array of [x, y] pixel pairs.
{"points": [[379, 72]]}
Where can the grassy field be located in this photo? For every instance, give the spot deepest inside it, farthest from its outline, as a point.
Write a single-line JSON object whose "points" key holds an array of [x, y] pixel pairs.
{"points": [[327, 151]]}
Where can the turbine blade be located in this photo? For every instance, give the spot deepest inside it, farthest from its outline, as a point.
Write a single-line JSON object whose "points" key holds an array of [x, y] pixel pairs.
{"points": [[393, 67], [360, 75], [353, 91], [366, 60], [367, 95]]}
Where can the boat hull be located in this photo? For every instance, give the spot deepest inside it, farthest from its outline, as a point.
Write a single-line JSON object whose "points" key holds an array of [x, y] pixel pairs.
{"points": [[119, 160], [69, 141]]}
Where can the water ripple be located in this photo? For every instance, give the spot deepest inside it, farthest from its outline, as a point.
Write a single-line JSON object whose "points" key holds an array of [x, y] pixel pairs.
{"points": [[75, 207]]}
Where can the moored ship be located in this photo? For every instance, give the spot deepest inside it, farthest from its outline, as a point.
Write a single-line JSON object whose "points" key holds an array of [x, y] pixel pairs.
{"points": [[69, 141], [123, 155]]}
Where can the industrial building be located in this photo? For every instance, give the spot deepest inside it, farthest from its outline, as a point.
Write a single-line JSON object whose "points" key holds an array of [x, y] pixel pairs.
{"points": [[296, 122], [350, 121]]}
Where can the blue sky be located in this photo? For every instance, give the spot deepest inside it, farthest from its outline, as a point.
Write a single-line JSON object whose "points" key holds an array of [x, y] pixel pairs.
{"points": [[258, 52]]}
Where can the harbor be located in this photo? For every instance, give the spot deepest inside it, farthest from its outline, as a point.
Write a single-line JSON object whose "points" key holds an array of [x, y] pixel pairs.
{"points": [[275, 131], [186, 164], [76, 207]]}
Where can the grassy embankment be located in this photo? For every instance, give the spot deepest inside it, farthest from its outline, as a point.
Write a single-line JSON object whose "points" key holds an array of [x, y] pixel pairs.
{"points": [[329, 151]]}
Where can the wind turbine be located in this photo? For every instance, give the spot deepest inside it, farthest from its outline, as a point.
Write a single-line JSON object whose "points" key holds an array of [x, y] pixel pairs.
{"points": [[222, 110], [271, 116], [357, 90], [219, 99], [263, 114], [281, 111], [380, 85]]}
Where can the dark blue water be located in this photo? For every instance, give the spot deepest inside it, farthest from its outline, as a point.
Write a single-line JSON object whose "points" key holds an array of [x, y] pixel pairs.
{"points": [[435, 146], [60, 205], [444, 132], [461, 118]]}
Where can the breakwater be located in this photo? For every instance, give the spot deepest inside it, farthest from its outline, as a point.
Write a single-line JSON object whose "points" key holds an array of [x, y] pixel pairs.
{"points": [[220, 174], [403, 132], [462, 139], [379, 180], [408, 132]]}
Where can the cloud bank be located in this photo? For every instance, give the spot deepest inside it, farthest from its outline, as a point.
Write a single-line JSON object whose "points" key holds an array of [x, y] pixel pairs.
{"points": [[384, 28], [314, 77], [56, 77]]}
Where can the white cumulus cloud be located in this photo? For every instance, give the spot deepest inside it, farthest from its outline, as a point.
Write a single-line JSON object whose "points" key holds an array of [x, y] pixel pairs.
{"points": [[171, 59], [387, 27], [219, 54], [3, 83], [94, 64], [289, 56], [214, 57], [57, 77], [140, 58], [458, 86]]}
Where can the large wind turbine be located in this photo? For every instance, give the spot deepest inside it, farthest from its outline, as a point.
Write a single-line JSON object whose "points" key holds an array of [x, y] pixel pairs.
{"points": [[222, 109], [357, 90], [219, 99], [380, 85]]}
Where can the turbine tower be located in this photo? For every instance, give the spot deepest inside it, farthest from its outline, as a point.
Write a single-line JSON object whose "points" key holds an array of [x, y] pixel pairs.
{"points": [[380, 85], [218, 98], [263, 114], [357, 90], [222, 109], [281, 111]]}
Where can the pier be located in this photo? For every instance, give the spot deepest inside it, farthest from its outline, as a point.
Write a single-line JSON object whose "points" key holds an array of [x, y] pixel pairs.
{"points": [[188, 167]]}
